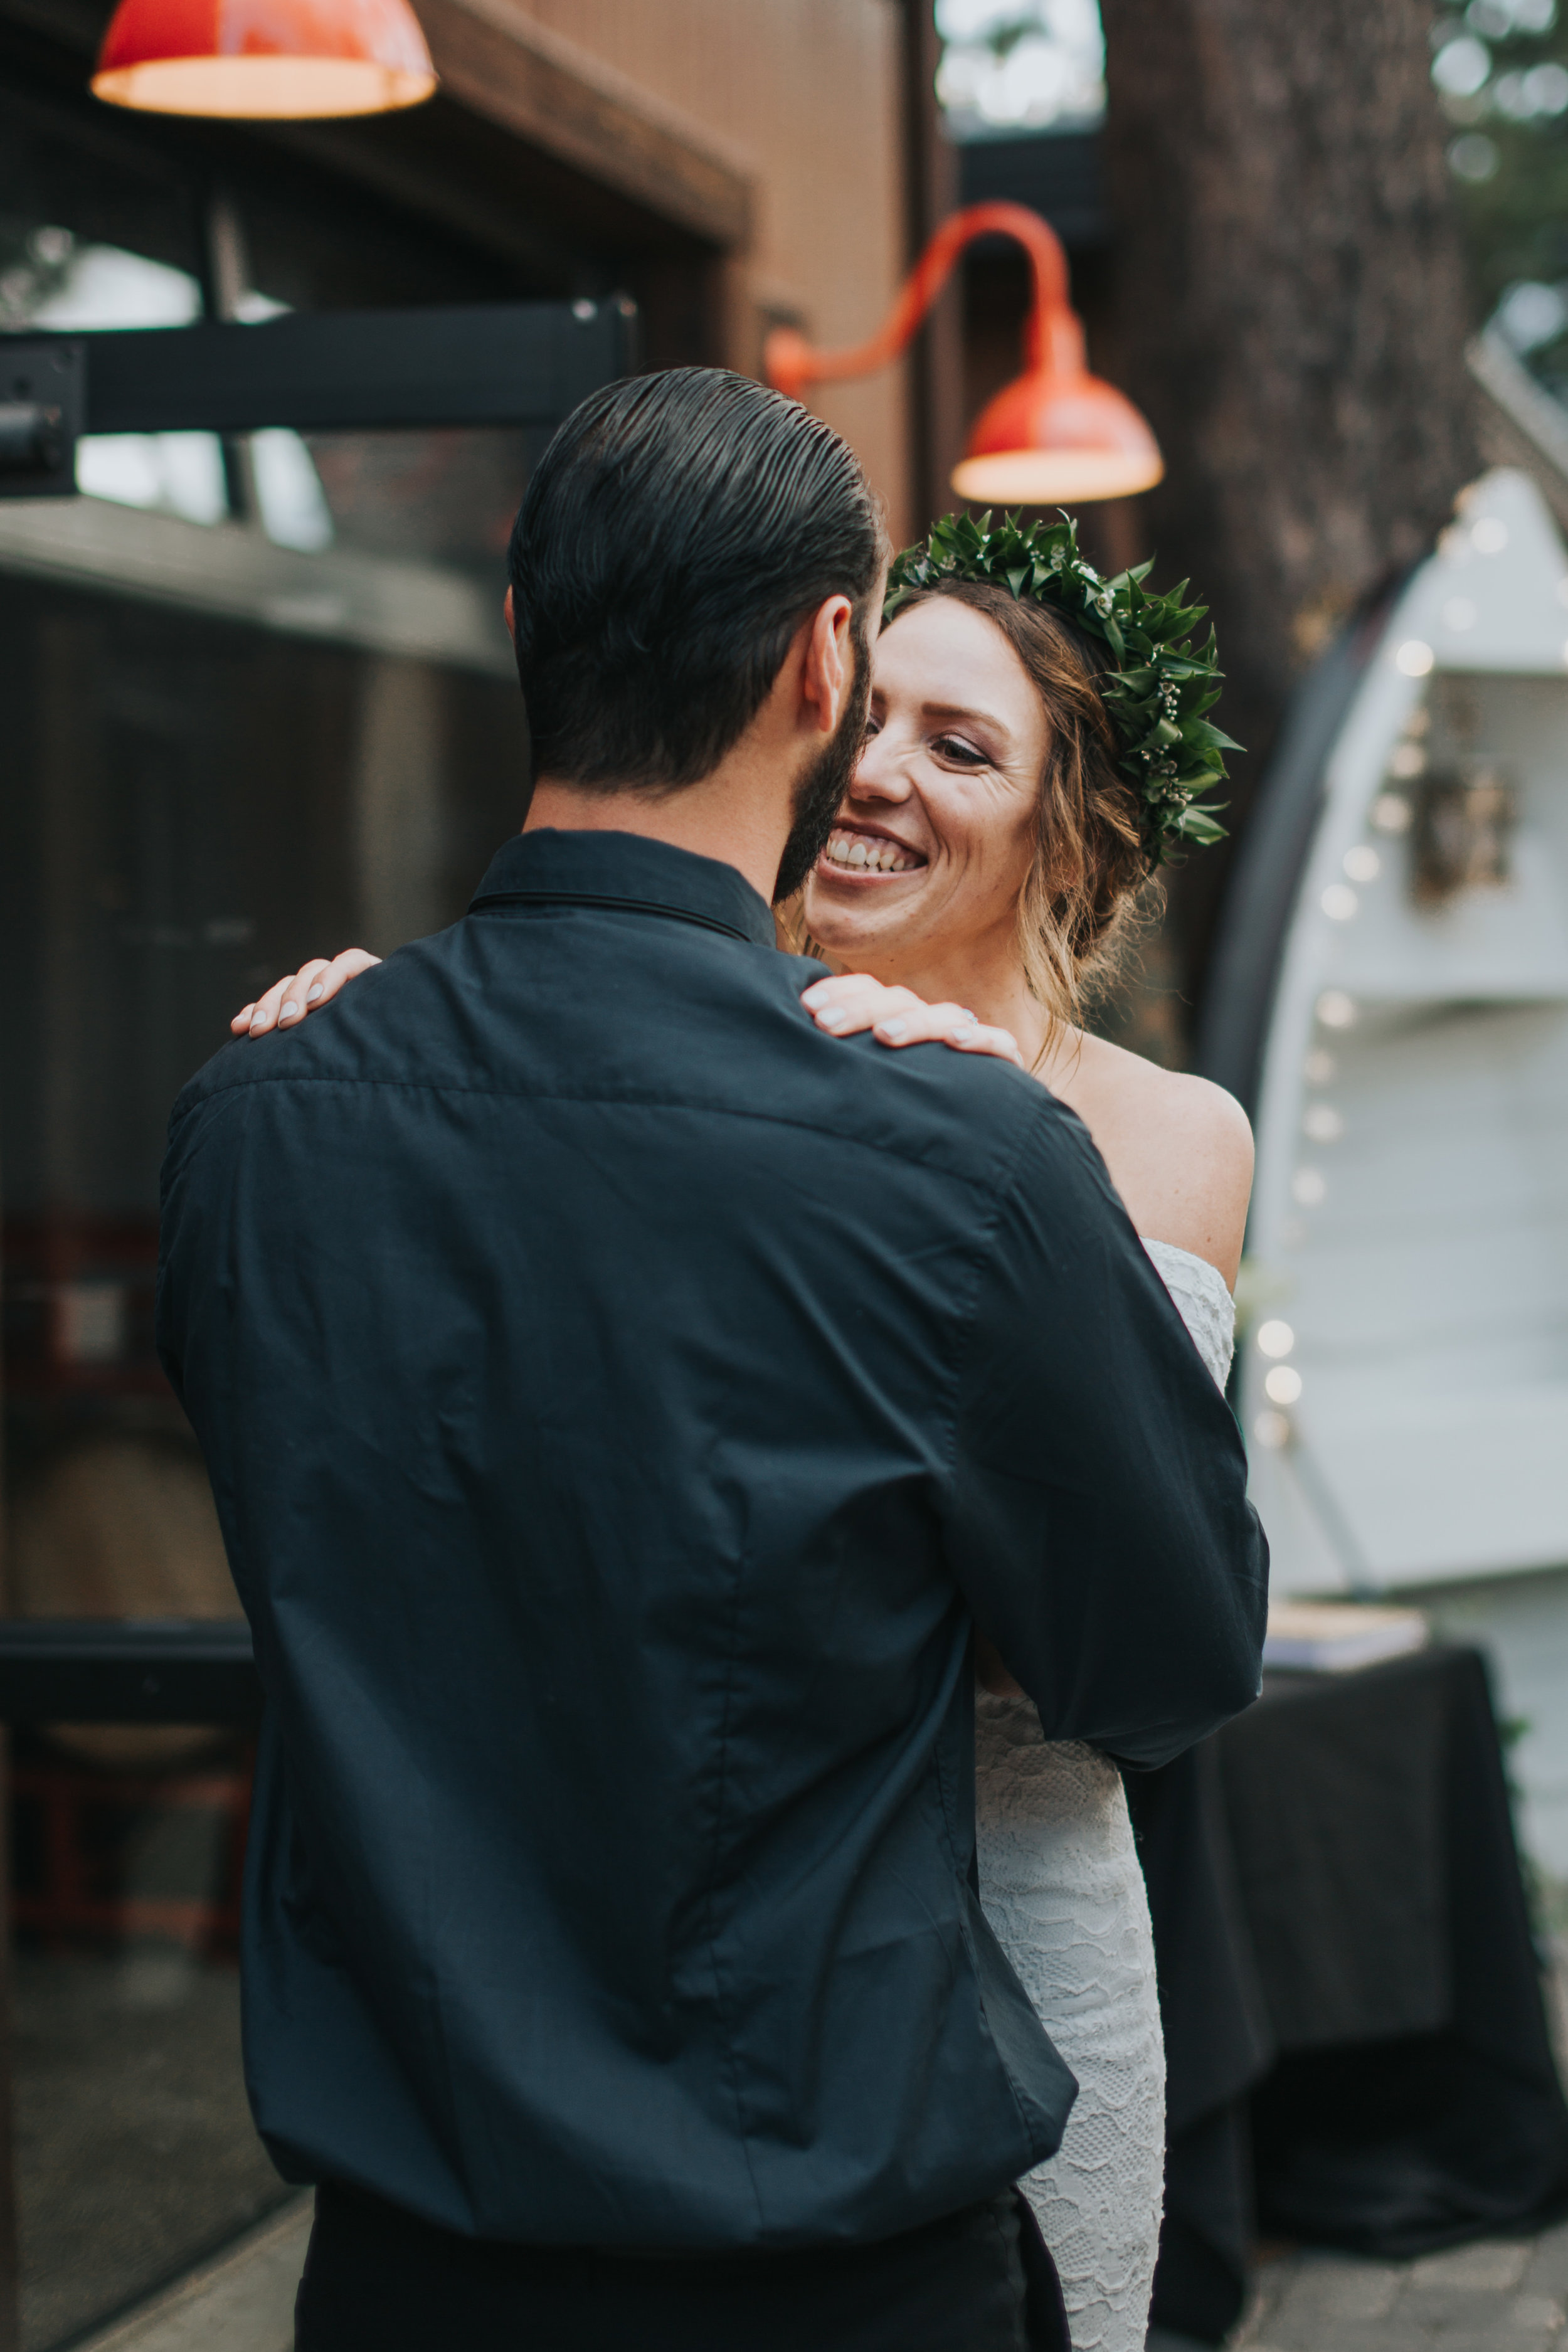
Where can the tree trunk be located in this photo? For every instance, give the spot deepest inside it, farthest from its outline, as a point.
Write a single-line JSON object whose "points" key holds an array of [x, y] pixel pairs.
{"points": [[1292, 309]]}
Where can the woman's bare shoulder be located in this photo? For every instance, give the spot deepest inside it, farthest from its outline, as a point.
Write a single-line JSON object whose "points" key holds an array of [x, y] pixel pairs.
{"points": [[1185, 1110], [1179, 1149]]}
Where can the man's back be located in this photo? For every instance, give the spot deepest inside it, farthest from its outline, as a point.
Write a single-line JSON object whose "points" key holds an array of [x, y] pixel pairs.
{"points": [[615, 1392]]}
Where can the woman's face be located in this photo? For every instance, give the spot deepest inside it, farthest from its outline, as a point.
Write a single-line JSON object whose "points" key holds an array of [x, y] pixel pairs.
{"points": [[934, 841]]}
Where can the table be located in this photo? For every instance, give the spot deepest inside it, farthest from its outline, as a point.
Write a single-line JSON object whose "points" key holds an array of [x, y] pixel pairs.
{"points": [[1356, 2040]]}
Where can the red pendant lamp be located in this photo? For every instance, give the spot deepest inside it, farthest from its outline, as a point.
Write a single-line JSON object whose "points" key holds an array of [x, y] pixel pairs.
{"points": [[264, 60], [1056, 435]]}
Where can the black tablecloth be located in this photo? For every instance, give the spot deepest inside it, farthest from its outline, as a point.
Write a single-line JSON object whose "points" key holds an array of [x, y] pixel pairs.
{"points": [[1356, 2037]]}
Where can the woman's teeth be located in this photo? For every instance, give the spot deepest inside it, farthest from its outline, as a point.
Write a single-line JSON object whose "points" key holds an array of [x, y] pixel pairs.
{"points": [[869, 852]]}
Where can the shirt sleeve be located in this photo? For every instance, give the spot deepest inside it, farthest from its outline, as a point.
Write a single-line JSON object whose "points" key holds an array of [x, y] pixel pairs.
{"points": [[1098, 1520]]}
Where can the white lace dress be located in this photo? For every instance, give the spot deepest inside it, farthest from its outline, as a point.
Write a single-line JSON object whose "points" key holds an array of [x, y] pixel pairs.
{"points": [[1061, 1886]]}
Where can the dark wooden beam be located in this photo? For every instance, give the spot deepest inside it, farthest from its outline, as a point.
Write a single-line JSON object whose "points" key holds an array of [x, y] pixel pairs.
{"points": [[936, 355]]}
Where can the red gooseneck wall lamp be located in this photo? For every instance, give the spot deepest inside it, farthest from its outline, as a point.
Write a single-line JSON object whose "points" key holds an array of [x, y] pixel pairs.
{"points": [[278, 60], [1057, 435]]}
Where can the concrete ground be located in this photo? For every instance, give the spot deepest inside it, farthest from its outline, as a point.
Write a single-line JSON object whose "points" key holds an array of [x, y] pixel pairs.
{"points": [[1497, 2296], [135, 2152], [243, 2301]]}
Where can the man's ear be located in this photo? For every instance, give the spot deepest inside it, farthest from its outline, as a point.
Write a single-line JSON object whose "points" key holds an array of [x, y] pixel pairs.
{"points": [[510, 617], [828, 676]]}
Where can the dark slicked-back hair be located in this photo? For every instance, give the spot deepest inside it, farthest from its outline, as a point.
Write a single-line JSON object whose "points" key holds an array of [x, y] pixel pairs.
{"points": [[675, 534]]}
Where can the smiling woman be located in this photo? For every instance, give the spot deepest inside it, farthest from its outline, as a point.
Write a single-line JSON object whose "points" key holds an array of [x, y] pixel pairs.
{"points": [[988, 823], [987, 870]]}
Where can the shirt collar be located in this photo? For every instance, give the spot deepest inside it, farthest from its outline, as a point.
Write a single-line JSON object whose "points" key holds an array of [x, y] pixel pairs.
{"points": [[625, 869]]}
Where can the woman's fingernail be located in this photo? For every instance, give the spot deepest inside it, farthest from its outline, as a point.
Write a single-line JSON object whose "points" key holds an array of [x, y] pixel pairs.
{"points": [[290, 1011], [964, 1030], [831, 1015], [891, 1028], [312, 993]]}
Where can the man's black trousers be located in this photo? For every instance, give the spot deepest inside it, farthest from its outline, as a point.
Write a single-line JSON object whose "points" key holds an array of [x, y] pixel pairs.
{"points": [[379, 2280]]}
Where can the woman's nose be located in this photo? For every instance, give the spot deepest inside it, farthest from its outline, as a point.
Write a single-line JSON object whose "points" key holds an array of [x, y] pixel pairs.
{"points": [[882, 772]]}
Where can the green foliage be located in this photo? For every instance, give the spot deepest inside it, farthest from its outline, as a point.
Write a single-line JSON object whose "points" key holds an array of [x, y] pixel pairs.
{"points": [[1516, 221], [1510, 160], [1162, 683]]}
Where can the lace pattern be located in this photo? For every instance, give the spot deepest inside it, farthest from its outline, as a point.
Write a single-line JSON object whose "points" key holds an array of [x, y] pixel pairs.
{"points": [[1062, 1888], [1205, 1305]]}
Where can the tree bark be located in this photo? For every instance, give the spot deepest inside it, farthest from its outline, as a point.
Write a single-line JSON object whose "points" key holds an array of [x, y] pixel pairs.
{"points": [[1291, 311]]}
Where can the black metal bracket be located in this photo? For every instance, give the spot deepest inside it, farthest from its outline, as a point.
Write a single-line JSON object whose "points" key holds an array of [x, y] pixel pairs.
{"points": [[495, 363], [96, 1670], [42, 386]]}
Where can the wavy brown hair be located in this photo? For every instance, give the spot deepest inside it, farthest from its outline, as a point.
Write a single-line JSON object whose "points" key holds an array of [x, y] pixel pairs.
{"points": [[1079, 906]]}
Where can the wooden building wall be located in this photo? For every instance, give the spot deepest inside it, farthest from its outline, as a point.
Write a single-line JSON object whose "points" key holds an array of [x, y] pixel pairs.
{"points": [[803, 100]]}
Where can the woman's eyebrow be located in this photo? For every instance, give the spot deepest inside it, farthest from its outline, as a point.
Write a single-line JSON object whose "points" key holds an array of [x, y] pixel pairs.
{"points": [[967, 711]]}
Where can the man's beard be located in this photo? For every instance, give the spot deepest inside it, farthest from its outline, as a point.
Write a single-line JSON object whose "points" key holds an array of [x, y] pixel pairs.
{"points": [[820, 792]]}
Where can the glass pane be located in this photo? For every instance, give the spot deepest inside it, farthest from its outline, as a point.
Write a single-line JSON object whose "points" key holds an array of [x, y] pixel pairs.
{"points": [[205, 804], [260, 704], [71, 183], [135, 2152], [95, 234], [444, 498], [201, 802]]}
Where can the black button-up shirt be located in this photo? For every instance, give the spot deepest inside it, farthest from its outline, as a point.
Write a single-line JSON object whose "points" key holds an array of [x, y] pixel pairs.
{"points": [[619, 1397]]}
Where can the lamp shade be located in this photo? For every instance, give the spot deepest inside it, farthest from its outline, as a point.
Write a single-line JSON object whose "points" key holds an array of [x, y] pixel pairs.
{"points": [[1057, 438], [264, 59]]}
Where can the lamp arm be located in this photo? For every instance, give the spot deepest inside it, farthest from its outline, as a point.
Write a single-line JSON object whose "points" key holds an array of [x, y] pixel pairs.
{"points": [[1053, 335]]}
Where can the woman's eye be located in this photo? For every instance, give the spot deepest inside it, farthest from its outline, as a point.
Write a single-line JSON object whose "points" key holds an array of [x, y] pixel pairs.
{"points": [[954, 747]]}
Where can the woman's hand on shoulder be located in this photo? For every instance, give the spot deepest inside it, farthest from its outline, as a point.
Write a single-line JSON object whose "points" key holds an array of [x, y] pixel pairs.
{"points": [[853, 1001], [289, 999]]}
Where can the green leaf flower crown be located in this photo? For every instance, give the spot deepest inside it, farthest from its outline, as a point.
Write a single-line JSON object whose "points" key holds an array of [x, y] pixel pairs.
{"points": [[1162, 683]]}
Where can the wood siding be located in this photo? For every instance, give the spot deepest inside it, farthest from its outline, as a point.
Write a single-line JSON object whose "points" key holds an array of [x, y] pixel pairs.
{"points": [[804, 97]]}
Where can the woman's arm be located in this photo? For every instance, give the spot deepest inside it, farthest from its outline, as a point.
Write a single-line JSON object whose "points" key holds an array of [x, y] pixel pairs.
{"points": [[841, 1006]]}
